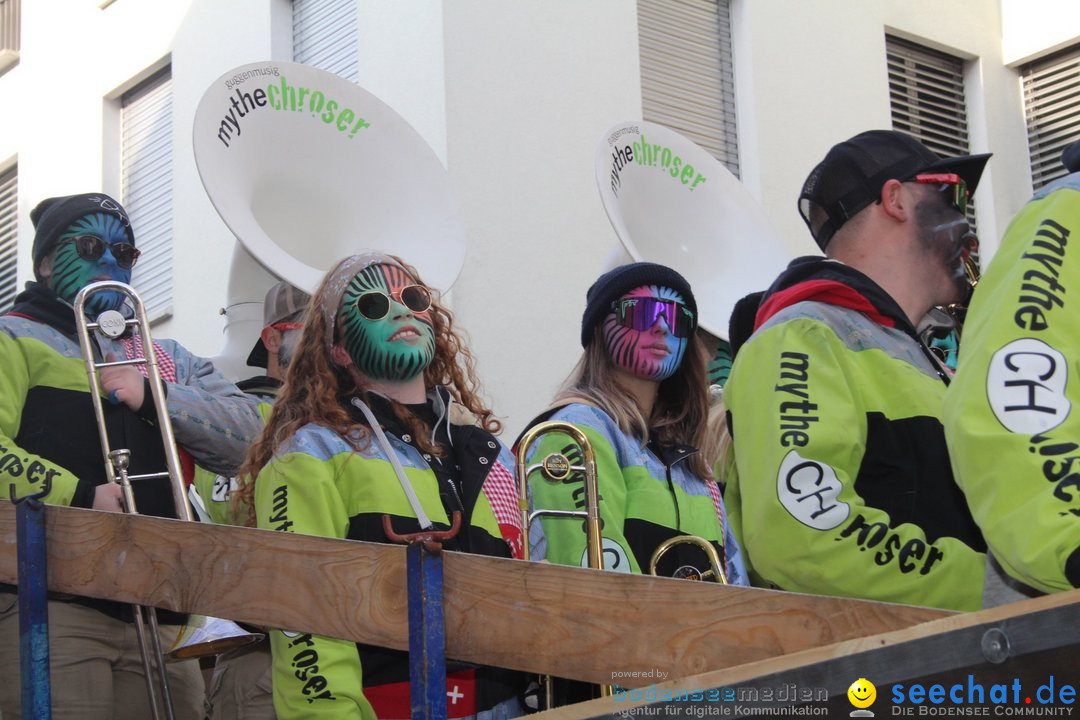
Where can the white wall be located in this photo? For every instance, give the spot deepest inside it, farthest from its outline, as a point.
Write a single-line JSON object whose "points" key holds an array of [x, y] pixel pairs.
{"points": [[1032, 28], [513, 96], [809, 79], [531, 87]]}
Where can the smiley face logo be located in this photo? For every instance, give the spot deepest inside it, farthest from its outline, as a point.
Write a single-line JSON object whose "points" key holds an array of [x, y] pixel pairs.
{"points": [[862, 693]]}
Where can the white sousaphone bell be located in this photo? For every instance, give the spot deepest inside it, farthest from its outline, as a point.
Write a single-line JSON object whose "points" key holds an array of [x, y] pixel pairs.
{"points": [[306, 168], [671, 202]]}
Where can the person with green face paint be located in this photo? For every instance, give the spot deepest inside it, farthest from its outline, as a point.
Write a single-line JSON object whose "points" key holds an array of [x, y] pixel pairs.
{"points": [[380, 416], [49, 443]]}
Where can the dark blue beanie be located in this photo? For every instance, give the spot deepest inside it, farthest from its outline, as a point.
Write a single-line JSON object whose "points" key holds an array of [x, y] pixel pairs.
{"points": [[613, 284]]}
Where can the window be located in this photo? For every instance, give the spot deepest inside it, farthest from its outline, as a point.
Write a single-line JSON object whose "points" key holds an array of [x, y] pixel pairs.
{"points": [[146, 141], [9, 33], [325, 36], [926, 91], [9, 237], [687, 82], [1052, 110]]}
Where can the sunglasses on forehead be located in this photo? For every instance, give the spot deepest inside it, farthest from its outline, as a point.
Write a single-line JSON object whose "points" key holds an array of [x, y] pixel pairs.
{"points": [[641, 313], [91, 247], [952, 186], [375, 304]]}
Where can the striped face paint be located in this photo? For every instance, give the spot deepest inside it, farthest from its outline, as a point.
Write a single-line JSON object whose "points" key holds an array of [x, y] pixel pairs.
{"points": [[397, 347], [653, 354], [71, 272]]}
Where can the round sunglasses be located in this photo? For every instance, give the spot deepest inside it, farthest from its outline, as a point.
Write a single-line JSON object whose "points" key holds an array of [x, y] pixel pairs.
{"points": [[375, 304], [641, 313], [91, 247]]}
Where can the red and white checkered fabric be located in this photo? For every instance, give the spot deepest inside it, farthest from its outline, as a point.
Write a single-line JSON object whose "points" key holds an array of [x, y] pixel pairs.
{"points": [[501, 493], [714, 491], [133, 348]]}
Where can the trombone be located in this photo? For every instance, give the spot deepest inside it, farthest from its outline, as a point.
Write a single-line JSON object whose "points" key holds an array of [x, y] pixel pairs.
{"points": [[556, 467], [688, 572], [112, 324]]}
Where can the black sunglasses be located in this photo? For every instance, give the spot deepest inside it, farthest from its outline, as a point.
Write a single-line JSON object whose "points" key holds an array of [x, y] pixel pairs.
{"points": [[91, 247], [375, 304]]}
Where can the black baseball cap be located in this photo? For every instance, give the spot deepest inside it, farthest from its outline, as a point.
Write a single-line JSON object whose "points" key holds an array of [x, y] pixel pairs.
{"points": [[853, 172]]}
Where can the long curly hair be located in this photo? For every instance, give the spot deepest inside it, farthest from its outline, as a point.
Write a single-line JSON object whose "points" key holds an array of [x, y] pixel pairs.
{"points": [[317, 390], [679, 414]]}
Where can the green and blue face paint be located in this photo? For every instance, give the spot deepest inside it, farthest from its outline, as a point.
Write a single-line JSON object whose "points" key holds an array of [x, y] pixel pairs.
{"points": [[386, 325], [95, 247]]}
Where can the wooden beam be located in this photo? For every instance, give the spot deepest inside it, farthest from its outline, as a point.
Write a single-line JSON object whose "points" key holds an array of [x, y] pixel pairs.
{"points": [[1034, 639], [543, 618]]}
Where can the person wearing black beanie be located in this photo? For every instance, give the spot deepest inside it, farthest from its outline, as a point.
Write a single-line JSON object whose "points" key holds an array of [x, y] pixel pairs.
{"points": [[80, 239], [47, 423], [613, 284], [640, 396]]}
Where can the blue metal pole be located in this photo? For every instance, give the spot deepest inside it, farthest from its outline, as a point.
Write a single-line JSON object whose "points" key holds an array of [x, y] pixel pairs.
{"points": [[33, 609], [427, 634]]}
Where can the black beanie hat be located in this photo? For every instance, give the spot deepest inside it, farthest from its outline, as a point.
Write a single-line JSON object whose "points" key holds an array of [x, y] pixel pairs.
{"points": [[53, 216], [613, 284]]}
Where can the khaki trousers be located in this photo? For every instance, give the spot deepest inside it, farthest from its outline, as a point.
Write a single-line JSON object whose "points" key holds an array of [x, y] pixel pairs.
{"points": [[241, 687], [95, 667]]}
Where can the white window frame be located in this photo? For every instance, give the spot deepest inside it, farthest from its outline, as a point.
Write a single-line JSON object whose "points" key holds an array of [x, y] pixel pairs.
{"points": [[1051, 88], [326, 36], [10, 32], [687, 73], [9, 237], [146, 169]]}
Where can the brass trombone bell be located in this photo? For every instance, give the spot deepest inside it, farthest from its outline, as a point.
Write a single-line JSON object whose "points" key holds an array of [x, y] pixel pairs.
{"points": [[556, 467], [715, 572]]}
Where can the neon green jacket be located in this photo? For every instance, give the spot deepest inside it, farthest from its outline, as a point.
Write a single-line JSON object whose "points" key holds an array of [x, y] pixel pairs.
{"points": [[647, 495], [316, 484], [1014, 435], [842, 484], [48, 434]]}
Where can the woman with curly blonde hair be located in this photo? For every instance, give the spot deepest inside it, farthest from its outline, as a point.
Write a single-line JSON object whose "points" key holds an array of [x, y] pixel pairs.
{"points": [[380, 416]]}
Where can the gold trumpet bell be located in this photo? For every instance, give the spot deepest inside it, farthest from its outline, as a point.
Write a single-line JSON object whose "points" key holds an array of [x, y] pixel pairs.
{"points": [[203, 636]]}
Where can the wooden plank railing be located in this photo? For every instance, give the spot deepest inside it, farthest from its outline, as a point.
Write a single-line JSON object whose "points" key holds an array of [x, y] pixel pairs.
{"points": [[537, 617]]}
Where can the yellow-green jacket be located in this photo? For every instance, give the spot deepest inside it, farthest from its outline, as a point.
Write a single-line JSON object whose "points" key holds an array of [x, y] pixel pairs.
{"points": [[1013, 434], [843, 485]]}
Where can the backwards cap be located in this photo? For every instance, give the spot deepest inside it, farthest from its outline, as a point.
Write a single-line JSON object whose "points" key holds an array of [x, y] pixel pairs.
{"points": [[853, 172]]}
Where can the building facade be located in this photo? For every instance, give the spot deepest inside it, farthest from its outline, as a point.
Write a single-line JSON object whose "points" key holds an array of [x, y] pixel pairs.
{"points": [[514, 98]]}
